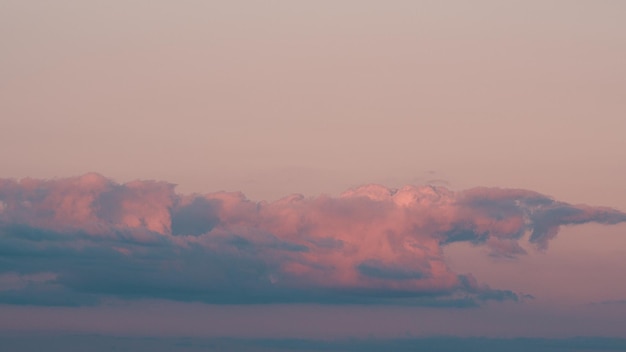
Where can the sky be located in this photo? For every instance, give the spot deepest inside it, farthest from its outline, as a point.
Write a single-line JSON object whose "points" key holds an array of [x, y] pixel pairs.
{"points": [[312, 170]]}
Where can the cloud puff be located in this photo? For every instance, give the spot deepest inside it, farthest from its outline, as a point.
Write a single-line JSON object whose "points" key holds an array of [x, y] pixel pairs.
{"points": [[75, 240]]}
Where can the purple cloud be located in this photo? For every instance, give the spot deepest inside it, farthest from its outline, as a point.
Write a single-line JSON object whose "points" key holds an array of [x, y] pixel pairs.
{"points": [[90, 237]]}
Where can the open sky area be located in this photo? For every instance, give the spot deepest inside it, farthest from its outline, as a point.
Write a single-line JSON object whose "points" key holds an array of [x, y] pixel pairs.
{"points": [[346, 175]]}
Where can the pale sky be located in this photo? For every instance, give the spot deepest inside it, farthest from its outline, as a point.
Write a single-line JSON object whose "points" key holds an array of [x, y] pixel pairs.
{"points": [[272, 98]]}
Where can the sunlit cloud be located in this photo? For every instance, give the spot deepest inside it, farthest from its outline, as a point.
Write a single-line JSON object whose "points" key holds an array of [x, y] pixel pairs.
{"points": [[78, 240]]}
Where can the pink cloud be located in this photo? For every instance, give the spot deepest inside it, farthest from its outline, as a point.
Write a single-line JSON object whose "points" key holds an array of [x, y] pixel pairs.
{"points": [[371, 241]]}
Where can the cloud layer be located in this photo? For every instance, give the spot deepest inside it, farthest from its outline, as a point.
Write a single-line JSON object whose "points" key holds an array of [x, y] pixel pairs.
{"points": [[79, 240]]}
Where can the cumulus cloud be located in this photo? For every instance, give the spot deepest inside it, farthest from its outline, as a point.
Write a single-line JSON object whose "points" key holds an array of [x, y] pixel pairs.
{"points": [[79, 239]]}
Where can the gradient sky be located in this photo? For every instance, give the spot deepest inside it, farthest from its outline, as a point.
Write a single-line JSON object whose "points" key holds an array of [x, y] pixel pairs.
{"points": [[271, 98]]}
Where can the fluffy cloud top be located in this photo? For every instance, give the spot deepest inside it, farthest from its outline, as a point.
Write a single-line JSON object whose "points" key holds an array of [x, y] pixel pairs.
{"points": [[78, 240]]}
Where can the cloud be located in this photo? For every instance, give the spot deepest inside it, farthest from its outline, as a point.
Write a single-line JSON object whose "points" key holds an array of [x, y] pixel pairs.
{"points": [[97, 238]]}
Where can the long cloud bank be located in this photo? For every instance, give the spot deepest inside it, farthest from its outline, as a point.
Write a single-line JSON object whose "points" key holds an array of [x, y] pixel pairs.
{"points": [[79, 240]]}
